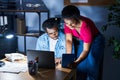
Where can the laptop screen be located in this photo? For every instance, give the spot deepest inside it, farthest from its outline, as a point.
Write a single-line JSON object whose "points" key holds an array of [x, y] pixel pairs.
{"points": [[46, 59]]}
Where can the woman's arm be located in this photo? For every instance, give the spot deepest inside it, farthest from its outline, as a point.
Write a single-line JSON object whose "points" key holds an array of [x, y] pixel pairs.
{"points": [[84, 53], [68, 43]]}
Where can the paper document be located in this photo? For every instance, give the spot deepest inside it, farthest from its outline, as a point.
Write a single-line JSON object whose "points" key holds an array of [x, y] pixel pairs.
{"points": [[14, 67]]}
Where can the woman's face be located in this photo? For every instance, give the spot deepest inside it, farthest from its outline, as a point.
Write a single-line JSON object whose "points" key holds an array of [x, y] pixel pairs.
{"points": [[70, 23]]}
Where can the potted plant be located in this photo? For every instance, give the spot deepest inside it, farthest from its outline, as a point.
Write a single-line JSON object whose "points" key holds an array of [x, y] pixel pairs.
{"points": [[113, 21]]}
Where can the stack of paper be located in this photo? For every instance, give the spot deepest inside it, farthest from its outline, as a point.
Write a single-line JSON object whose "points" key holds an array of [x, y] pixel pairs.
{"points": [[14, 67]]}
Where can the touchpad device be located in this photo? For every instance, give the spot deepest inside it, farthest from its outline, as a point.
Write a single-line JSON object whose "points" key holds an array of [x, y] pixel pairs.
{"points": [[2, 63], [67, 59]]}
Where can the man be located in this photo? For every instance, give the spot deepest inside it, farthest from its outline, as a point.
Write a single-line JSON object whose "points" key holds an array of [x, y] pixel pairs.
{"points": [[53, 39]]}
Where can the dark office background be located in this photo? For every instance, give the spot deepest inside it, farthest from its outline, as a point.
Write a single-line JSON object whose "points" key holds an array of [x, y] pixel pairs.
{"points": [[97, 13]]}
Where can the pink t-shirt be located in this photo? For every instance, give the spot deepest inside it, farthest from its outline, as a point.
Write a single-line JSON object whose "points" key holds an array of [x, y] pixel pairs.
{"points": [[88, 30]]}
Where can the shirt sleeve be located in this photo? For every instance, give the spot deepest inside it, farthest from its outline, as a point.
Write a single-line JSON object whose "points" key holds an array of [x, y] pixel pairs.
{"points": [[67, 29], [37, 45], [87, 34]]}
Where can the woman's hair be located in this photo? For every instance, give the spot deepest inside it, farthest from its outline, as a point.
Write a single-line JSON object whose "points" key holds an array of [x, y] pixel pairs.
{"points": [[51, 23], [71, 12]]}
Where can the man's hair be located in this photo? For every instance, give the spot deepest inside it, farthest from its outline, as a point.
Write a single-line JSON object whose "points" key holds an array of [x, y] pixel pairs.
{"points": [[51, 23], [71, 12]]}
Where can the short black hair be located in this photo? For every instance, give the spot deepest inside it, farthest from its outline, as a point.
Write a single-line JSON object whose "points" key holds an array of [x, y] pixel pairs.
{"points": [[50, 23], [71, 12]]}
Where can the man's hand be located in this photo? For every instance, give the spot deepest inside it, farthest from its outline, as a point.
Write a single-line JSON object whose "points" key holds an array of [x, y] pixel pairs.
{"points": [[58, 61]]}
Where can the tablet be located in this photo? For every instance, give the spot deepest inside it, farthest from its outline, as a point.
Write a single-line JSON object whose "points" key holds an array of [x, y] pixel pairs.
{"points": [[67, 59]]}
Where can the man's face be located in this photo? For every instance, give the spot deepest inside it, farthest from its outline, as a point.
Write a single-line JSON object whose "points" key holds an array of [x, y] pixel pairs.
{"points": [[53, 32]]}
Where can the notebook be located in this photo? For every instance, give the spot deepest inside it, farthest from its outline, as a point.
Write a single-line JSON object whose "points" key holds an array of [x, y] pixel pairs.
{"points": [[45, 58], [67, 59]]}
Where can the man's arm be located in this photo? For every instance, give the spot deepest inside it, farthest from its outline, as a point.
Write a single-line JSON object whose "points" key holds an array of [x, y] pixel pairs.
{"points": [[37, 45], [42, 42]]}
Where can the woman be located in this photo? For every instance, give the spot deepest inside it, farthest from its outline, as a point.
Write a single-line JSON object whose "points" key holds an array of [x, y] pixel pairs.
{"points": [[91, 43]]}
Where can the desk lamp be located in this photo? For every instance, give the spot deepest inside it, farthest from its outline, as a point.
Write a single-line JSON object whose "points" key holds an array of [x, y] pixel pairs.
{"points": [[8, 34], [5, 32]]}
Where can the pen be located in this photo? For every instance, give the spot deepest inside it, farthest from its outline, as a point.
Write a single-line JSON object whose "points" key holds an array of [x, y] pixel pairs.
{"points": [[10, 72]]}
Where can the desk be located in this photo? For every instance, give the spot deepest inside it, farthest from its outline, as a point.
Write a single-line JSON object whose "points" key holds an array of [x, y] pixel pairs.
{"points": [[43, 74]]}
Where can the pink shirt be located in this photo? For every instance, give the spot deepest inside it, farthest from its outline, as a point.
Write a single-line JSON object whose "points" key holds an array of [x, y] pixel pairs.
{"points": [[88, 30]]}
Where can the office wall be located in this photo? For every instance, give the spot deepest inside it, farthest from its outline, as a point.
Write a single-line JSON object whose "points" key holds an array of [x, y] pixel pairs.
{"points": [[99, 15]]}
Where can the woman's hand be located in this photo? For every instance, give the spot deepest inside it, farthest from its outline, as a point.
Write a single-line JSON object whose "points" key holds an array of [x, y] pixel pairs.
{"points": [[73, 64]]}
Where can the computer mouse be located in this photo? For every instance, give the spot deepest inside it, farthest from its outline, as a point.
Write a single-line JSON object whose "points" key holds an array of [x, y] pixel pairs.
{"points": [[2, 63]]}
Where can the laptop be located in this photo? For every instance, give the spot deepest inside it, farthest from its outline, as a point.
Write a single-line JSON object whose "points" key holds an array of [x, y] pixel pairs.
{"points": [[45, 58], [67, 59]]}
